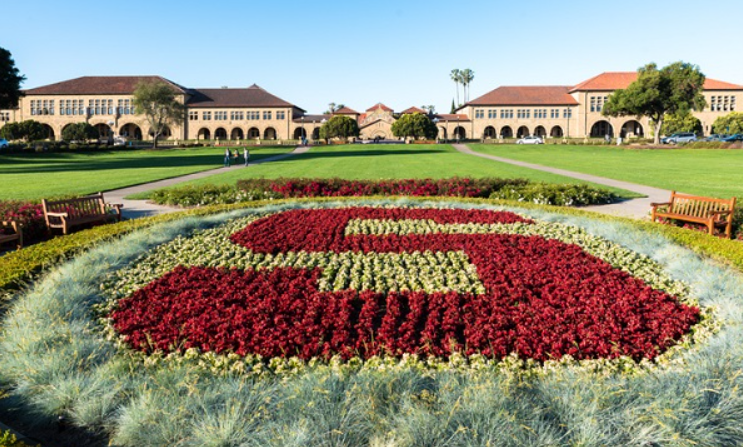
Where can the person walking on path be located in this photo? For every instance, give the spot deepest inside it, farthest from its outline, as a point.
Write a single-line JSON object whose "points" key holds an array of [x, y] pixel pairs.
{"points": [[246, 154], [227, 156]]}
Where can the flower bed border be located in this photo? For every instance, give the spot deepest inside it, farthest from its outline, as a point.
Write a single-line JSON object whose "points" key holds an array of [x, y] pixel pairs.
{"points": [[711, 374]]}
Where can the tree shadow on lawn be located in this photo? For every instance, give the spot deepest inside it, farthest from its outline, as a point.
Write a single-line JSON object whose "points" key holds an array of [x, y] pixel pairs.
{"points": [[364, 153], [208, 161]]}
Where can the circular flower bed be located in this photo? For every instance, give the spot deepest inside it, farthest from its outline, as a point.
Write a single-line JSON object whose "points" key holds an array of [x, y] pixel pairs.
{"points": [[383, 322], [365, 282]]}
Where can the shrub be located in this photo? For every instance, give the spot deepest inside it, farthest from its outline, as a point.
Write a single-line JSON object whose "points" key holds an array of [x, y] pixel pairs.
{"points": [[561, 195], [8, 439], [336, 187], [208, 195]]}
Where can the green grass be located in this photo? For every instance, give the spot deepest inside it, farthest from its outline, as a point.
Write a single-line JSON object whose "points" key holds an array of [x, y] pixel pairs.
{"points": [[385, 162], [37, 176], [707, 172]]}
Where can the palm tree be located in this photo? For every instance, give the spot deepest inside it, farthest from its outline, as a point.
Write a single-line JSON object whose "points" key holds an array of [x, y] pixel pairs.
{"points": [[468, 76], [456, 76]]}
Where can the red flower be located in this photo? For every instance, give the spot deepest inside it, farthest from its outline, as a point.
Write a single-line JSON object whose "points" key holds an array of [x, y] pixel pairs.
{"points": [[543, 299]]}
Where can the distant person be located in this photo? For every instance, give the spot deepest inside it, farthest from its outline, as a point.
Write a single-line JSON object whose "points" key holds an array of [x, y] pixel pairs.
{"points": [[227, 157], [607, 138], [246, 154]]}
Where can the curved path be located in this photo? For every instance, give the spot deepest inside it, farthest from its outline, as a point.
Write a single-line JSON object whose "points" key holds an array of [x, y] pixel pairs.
{"points": [[635, 208], [142, 208]]}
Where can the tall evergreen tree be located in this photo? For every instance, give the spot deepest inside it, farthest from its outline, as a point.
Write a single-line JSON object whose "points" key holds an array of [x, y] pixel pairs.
{"points": [[10, 81]]}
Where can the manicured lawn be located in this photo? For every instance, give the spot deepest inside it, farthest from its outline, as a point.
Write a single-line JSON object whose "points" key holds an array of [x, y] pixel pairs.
{"points": [[708, 172], [37, 176], [383, 162]]}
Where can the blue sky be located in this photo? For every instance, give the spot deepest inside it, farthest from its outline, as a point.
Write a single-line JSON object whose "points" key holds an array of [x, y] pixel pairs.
{"points": [[362, 52]]}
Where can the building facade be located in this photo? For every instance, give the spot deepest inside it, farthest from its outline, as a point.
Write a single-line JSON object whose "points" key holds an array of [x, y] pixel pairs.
{"points": [[252, 113], [575, 111]]}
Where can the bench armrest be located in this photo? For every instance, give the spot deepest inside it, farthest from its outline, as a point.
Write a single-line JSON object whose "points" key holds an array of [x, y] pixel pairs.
{"points": [[64, 215], [656, 205], [720, 213], [118, 206], [13, 224]]}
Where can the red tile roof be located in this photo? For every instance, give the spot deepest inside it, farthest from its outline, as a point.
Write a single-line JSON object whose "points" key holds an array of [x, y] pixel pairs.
{"points": [[452, 117], [99, 85], [526, 96], [611, 81], [379, 105], [346, 111], [412, 110], [252, 96], [713, 84]]}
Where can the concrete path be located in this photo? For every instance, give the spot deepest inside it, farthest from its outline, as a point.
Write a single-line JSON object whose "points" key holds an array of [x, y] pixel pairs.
{"points": [[635, 208], [142, 208]]}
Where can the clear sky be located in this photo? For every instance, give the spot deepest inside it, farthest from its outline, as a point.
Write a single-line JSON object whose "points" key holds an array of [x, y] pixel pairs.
{"points": [[362, 52]]}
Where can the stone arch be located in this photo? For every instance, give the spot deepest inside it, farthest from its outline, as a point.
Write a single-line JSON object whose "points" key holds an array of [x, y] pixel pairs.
{"points": [[237, 134], [61, 132], [299, 133], [204, 134], [540, 131], [489, 132], [104, 131], [601, 128], [166, 134], [220, 134], [269, 133], [506, 132], [131, 131], [442, 133], [254, 133], [556, 132], [48, 131], [316, 133], [522, 132], [460, 133], [632, 128]]}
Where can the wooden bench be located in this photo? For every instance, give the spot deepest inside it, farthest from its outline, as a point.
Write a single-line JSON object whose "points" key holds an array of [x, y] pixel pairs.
{"points": [[68, 213], [714, 213], [16, 235]]}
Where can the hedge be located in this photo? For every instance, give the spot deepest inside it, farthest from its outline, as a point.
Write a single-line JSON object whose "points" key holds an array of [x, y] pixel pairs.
{"points": [[18, 267]]}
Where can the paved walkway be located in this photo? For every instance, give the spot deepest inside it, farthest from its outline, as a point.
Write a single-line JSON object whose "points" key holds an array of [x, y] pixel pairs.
{"points": [[142, 208], [635, 208]]}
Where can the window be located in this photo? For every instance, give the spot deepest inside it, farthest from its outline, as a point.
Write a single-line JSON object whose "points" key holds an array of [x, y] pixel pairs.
{"points": [[220, 115], [193, 115], [554, 113], [567, 113], [280, 115], [207, 116], [4, 116], [237, 116], [254, 115], [506, 113], [492, 114], [266, 115], [479, 113], [732, 103]]}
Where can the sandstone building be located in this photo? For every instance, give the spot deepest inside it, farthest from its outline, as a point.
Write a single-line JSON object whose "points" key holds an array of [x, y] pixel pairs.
{"points": [[252, 113]]}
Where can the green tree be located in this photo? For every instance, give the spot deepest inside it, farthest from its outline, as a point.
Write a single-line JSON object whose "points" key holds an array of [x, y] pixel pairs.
{"points": [[28, 130], [467, 76], [453, 107], [158, 103], [681, 122], [10, 81], [659, 92], [79, 132], [456, 76], [731, 123], [333, 107], [339, 126], [431, 109], [416, 125]]}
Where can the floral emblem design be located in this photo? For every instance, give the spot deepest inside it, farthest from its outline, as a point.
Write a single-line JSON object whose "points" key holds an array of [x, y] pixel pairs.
{"points": [[392, 281]]}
